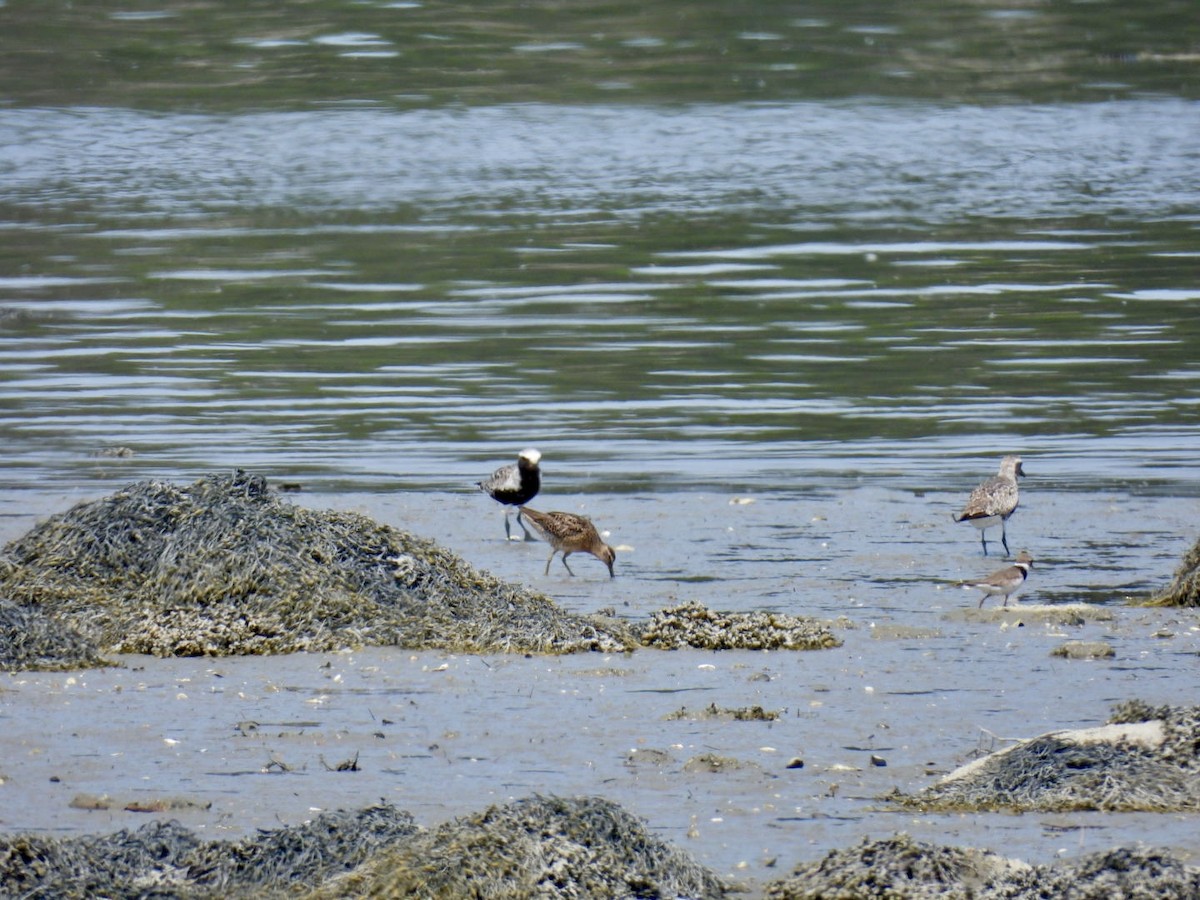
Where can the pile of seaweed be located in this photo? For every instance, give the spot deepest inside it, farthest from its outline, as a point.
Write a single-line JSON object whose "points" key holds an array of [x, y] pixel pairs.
{"points": [[31, 640], [536, 847], [164, 859], [1146, 759], [224, 567], [901, 868], [546, 847], [1184, 589], [695, 625]]}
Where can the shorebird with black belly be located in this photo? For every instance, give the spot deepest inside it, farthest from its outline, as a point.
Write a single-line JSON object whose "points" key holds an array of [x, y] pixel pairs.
{"points": [[515, 485], [571, 534], [1005, 581], [994, 501]]}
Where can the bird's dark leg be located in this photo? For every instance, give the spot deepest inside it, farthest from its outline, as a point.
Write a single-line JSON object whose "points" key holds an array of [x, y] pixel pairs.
{"points": [[521, 522], [550, 560], [983, 539], [565, 566], [981, 599], [1004, 540]]}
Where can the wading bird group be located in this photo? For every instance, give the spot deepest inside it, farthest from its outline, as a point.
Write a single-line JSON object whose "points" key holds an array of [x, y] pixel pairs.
{"points": [[566, 533], [991, 504], [514, 485]]}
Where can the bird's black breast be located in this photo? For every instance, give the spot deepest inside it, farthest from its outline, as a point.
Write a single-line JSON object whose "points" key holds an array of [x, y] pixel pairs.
{"points": [[524, 489]]}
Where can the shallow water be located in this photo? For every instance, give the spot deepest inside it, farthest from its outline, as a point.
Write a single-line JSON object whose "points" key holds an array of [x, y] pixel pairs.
{"points": [[833, 264], [920, 681]]}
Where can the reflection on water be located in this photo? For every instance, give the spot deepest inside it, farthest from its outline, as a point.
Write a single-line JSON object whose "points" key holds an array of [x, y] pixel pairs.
{"points": [[700, 295]]}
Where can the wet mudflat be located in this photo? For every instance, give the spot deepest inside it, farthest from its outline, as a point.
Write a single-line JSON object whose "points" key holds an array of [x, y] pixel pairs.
{"points": [[771, 292], [922, 683]]}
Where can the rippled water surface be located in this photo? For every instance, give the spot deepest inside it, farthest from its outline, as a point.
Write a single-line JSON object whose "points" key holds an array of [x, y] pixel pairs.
{"points": [[714, 294], [832, 260]]}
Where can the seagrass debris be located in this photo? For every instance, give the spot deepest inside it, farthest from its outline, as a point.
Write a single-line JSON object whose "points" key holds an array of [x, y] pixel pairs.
{"points": [[1084, 650], [736, 714], [543, 847], [694, 625], [538, 847], [1145, 759], [31, 640], [546, 847], [900, 868], [224, 567], [163, 859], [897, 867], [716, 763], [1184, 589]]}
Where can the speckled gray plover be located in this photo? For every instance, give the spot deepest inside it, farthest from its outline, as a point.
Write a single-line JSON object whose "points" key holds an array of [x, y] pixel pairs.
{"points": [[994, 501], [515, 485], [571, 534], [1006, 581]]}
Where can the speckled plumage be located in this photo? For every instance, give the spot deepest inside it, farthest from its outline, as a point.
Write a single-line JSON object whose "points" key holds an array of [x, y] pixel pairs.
{"points": [[994, 501], [571, 534], [1006, 581], [515, 485]]}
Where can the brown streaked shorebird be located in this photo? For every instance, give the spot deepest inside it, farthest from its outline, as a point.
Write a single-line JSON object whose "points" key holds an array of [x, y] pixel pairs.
{"points": [[1007, 581], [515, 485], [571, 534], [994, 501]]}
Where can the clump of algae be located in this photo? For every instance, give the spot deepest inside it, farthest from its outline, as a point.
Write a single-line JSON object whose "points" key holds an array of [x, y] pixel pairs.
{"points": [[224, 566]]}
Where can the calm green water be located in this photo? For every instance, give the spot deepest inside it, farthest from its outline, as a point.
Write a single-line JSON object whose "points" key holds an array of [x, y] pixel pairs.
{"points": [[174, 56], [387, 244]]}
